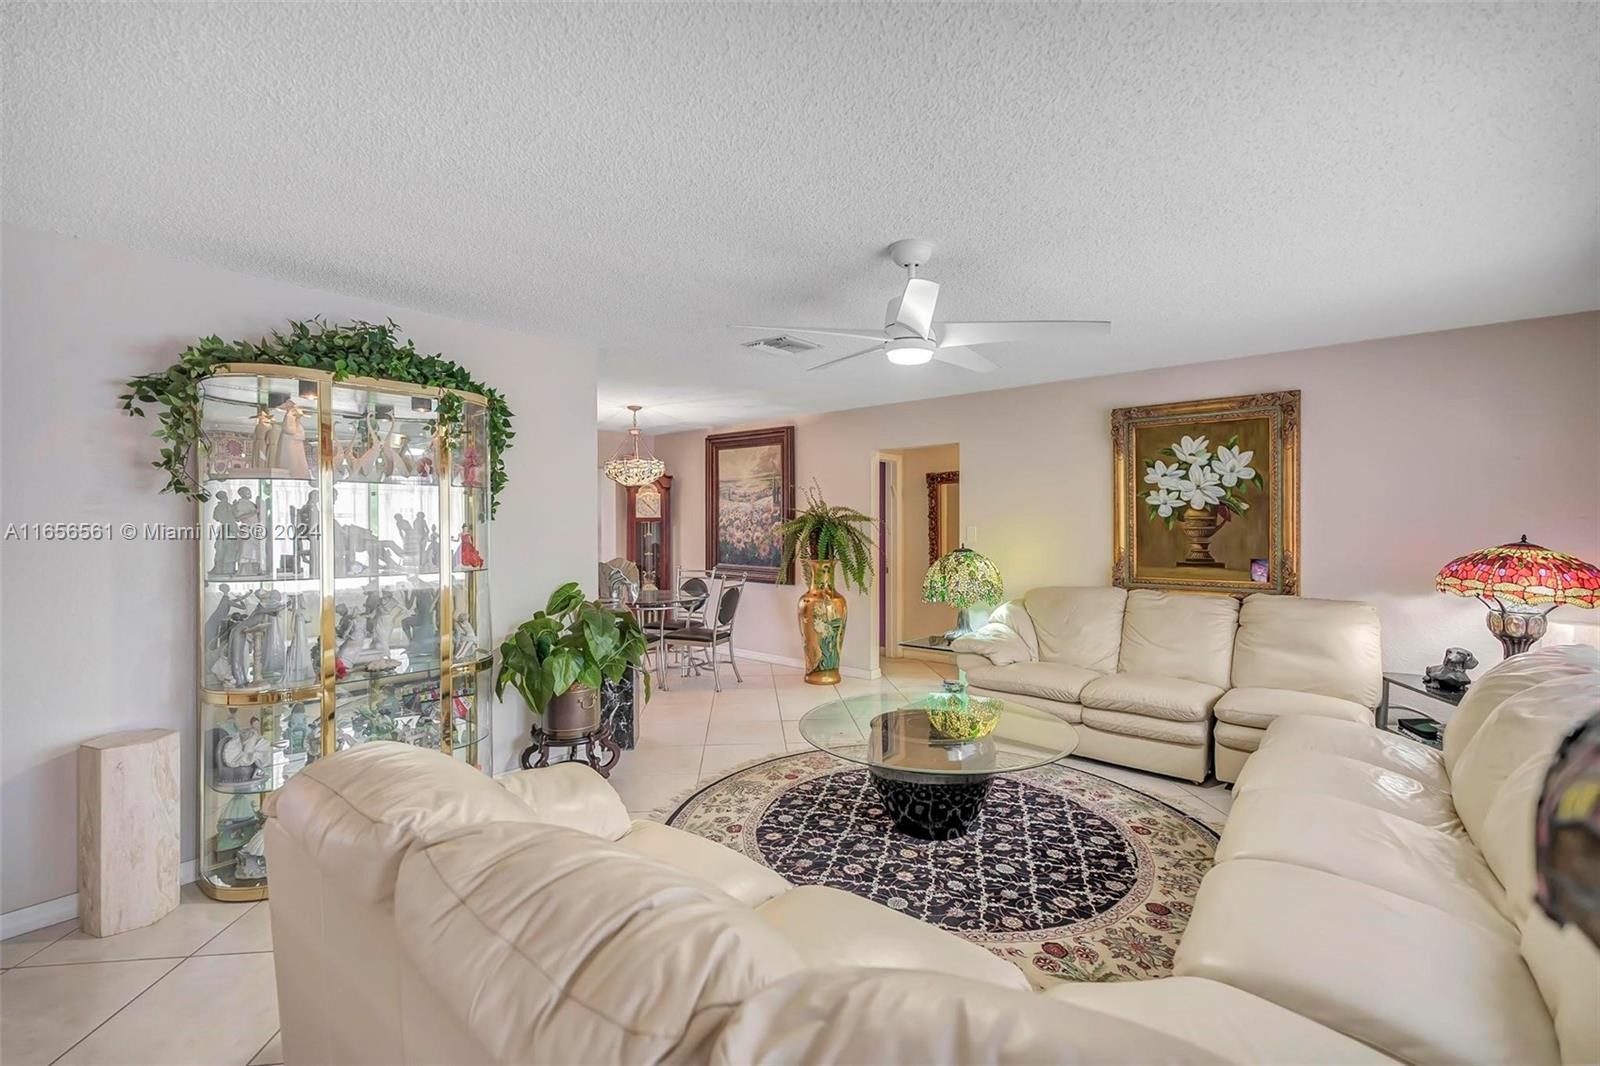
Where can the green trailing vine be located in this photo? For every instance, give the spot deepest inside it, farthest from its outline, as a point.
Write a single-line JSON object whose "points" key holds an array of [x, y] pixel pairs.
{"points": [[357, 349]]}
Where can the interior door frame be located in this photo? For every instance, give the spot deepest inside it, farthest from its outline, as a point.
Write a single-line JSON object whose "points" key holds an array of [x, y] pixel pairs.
{"points": [[890, 619]]}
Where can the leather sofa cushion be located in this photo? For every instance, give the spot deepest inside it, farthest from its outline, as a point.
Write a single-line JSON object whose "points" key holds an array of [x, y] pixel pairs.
{"points": [[1260, 707], [1179, 634], [1238, 737], [357, 813], [829, 928], [1431, 866], [1327, 647], [1047, 680], [1566, 964], [1363, 743], [744, 879], [540, 937], [1166, 730], [1067, 712], [570, 794], [1156, 696], [1506, 680], [892, 1016], [1315, 943], [1233, 1025], [1528, 725], [1314, 773], [1078, 626]]}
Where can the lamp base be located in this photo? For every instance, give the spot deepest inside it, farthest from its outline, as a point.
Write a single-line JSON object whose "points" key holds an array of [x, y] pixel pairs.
{"points": [[963, 626], [1517, 630]]}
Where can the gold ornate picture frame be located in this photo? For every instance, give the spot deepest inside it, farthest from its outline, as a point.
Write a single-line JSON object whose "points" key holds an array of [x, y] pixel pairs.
{"points": [[1206, 495]]}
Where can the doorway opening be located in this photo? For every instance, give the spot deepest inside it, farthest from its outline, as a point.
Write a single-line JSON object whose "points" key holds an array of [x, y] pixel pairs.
{"points": [[919, 504]]}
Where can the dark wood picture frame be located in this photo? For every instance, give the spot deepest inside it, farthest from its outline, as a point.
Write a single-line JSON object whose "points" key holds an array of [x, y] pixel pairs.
{"points": [[942, 477], [1277, 502], [716, 443]]}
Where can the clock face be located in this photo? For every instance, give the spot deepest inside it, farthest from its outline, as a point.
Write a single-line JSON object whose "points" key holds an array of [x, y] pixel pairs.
{"points": [[647, 502]]}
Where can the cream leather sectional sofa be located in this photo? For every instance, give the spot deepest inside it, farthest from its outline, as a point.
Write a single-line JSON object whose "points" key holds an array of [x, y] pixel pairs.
{"points": [[1151, 678], [1371, 902]]}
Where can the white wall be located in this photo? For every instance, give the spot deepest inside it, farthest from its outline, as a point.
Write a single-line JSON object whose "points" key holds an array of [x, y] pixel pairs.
{"points": [[100, 636], [1416, 450]]}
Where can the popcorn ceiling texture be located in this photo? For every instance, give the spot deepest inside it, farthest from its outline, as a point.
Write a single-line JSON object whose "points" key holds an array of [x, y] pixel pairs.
{"points": [[1216, 180]]}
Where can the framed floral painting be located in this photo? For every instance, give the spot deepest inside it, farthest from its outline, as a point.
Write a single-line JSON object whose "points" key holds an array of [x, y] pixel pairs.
{"points": [[1206, 495], [749, 494]]}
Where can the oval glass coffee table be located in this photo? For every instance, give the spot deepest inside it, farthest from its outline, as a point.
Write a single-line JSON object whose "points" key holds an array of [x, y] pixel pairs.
{"points": [[932, 757]]}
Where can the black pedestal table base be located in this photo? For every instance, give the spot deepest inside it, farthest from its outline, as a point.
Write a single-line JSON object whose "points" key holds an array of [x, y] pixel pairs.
{"points": [[929, 806]]}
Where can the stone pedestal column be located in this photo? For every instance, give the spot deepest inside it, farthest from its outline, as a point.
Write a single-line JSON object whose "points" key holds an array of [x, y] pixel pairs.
{"points": [[128, 830]]}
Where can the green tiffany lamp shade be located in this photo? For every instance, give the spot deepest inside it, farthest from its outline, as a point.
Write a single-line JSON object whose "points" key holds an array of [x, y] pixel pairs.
{"points": [[963, 579]]}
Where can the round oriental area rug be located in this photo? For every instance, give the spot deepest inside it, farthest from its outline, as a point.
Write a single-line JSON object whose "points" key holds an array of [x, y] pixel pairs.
{"points": [[1070, 876]]}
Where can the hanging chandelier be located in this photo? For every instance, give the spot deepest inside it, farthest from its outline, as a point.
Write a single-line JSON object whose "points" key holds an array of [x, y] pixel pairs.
{"points": [[634, 470]]}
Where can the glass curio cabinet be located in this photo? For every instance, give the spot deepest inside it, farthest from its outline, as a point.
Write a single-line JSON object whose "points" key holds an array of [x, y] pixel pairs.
{"points": [[344, 592]]}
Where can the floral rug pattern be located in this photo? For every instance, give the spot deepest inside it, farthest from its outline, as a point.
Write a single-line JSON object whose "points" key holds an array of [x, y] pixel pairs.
{"points": [[1067, 875]]}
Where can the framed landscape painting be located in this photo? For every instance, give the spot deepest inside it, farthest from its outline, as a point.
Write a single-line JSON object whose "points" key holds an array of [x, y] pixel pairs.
{"points": [[749, 494], [1206, 495]]}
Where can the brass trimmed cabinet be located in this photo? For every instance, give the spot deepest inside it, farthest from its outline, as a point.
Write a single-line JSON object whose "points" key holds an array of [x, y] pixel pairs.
{"points": [[344, 588]]}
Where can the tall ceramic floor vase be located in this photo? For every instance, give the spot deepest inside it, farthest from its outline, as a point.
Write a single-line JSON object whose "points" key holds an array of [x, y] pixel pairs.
{"points": [[822, 618], [1199, 526]]}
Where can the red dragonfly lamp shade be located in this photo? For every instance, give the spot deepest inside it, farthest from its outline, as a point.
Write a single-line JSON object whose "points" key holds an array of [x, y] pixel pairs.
{"points": [[1521, 583]]}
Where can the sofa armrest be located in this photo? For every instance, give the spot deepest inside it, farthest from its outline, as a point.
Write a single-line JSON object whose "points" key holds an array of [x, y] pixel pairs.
{"points": [[572, 795]]}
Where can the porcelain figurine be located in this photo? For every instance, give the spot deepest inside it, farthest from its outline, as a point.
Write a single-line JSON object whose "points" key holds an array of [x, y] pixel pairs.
{"points": [[467, 552], [290, 453], [237, 824], [247, 749], [256, 642], [391, 607], [471, 466], [225, 556], [389, 463], [364, 450], [353, 641], [248, 533], [296, 730], [298, 667], [251, 865], [260, 458], [414, 537], [463, 639]]}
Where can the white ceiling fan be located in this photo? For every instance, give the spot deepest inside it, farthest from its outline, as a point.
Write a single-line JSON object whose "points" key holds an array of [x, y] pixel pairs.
{"points": [[910, 337]]}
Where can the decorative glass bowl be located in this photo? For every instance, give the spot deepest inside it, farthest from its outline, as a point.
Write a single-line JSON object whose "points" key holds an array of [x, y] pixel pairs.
{"points": [[960, 717]]}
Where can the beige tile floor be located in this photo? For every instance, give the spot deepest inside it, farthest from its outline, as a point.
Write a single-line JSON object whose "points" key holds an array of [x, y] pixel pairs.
{"points": [[197, 987]]}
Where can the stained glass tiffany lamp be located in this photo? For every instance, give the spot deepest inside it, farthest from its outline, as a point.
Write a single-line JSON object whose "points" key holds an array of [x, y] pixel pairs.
{"points": [[1521, 583], [963, 579]]}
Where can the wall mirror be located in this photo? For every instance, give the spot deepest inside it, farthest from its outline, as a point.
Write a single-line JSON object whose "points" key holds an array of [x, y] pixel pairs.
{"points": [[944, 513]]}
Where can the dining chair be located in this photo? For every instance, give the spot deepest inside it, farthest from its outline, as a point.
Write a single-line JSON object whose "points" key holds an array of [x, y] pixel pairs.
{"points": [[714, 630]]}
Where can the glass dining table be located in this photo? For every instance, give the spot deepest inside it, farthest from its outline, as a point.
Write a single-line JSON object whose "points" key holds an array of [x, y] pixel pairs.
{"points": [[657, 605]]}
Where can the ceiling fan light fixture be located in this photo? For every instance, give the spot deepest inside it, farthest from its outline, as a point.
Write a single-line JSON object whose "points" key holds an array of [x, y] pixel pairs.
{"points": [[909, 353]]}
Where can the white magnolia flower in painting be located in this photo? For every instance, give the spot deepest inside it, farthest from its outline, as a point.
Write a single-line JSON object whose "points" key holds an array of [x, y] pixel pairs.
{"points": [[1163, 475], [1164, 500], [1193, 450], [1203, 488], [1233, 465]]}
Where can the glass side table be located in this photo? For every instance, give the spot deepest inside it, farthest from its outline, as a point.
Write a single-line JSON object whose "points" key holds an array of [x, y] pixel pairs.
{"points": [[1418, 684], [937, 642]]}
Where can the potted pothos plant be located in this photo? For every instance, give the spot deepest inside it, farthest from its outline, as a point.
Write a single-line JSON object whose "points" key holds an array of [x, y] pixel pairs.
{"points": [[826, 539], [558, 659]]}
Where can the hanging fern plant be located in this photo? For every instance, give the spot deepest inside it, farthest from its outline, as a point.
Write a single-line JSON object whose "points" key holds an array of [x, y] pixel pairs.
{"points": [[357, 349]]}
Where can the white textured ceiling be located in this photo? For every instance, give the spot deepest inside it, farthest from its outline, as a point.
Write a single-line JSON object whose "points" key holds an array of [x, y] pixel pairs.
{"points": [[1216, 180]]}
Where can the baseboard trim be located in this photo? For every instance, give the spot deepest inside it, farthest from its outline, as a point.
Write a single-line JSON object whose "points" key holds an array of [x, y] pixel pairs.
{"points": [[61, 909], [784, 660]]}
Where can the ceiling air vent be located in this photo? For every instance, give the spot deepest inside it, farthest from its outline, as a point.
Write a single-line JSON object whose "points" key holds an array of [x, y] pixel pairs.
{"points": [[781, 344]]}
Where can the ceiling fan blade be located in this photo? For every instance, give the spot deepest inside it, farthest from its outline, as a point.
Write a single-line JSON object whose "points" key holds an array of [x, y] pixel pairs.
{"points": [[955, 334], [913, 309], [858, 334], [842, 358], [965, 358]]}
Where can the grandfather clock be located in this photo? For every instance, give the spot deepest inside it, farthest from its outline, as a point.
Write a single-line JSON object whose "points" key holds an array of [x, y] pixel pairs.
{"points": [[650, 531]]}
